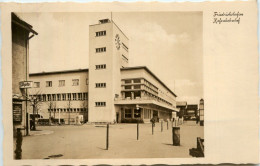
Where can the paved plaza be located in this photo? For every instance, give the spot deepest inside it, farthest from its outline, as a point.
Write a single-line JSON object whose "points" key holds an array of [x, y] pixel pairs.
{"points": [[89, 141]]}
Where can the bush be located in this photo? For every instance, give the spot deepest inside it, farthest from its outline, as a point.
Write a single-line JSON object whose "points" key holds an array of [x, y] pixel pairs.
{"points": [[132, 121]]}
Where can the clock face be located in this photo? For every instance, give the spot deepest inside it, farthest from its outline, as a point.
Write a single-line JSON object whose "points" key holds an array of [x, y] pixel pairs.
{"points": [[117, 41]]}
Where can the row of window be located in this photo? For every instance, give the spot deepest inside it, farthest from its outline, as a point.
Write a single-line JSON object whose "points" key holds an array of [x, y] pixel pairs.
{"points": [[68, 110], [61, 97], [128, 113], [103, 66], [102, 49], [101, 33], [134, 87], [132, 81], [100, 104], [75, 82], [147, 113], [100, 85]]}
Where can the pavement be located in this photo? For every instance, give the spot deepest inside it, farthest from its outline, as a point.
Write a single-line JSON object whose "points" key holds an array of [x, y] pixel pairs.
{"points": [[89, 141]]}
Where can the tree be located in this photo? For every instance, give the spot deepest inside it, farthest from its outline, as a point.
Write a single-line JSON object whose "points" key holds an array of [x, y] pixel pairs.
{"points": [[50, 107], [36, 102], [84, 105]]}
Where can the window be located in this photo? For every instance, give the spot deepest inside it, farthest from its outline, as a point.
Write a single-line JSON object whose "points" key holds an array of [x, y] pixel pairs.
{"points": [[100, 85], [64, 96], [74, 95], [58, 97], [137, 87], [128, 113], [125, 47], [101, 33], [102, 49], [79, 96], [69, 96], [86, 81], [53, 97], [128, 81], [44, 97], [85, 96], [137, 113], [100, 104], [48, 97], [128, 87], [75, 82], [48, 83], [103, 66], [137, 80], [124, 58], [36, 84], [61, 82]]}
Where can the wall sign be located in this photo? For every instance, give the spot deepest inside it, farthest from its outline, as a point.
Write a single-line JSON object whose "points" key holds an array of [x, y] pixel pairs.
{"points": [[25, 84]]}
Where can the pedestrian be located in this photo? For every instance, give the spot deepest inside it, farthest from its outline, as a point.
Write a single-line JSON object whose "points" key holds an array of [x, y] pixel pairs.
{"points": [[197, 119]]}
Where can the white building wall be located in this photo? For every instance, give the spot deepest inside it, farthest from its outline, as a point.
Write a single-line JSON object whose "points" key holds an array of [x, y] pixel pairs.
{"points": [[110, 75], [56, 89]]}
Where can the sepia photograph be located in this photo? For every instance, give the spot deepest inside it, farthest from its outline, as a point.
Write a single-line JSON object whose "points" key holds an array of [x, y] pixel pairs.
{"points": [[105, 85]]}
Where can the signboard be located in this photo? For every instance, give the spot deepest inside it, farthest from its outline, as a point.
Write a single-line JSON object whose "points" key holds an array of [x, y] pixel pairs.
{"points": [[17, 112], [25, 84]]}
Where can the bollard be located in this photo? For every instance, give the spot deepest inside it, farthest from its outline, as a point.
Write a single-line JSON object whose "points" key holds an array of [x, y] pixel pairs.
{"points": [[167, 125], [137, 130], [152, 127], [19, 140], [162, 126], [176, 136], [107, 135]]}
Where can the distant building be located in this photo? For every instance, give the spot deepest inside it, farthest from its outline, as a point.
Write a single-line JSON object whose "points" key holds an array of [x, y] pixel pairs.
{"points": [[115, 92], [20, 48], [192, 111], [182, 105]]}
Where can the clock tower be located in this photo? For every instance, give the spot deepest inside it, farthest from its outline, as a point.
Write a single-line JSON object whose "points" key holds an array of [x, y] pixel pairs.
{"points": [[108, 52]]}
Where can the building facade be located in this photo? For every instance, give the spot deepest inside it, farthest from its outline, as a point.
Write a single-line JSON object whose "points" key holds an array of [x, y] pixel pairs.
{"points": [[21, 32], [115, 92]]}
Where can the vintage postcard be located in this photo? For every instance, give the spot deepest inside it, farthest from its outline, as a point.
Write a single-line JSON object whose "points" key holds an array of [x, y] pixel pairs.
{"points": [[130, 83]]}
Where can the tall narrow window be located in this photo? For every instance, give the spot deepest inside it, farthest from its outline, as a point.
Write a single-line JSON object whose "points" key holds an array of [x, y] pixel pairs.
{"points": [[53, 97], [79, 96], [74, 95], [58, 97], [69, 96], [63, 96]]}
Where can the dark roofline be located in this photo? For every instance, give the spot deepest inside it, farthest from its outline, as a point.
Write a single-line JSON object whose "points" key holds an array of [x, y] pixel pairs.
{"points": [[16, 20], [149, 71], [59, 72]]}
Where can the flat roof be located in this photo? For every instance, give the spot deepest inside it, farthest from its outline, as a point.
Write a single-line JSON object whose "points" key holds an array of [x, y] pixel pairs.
{"points": [[58, 72], [149, 71], [110, 21]]}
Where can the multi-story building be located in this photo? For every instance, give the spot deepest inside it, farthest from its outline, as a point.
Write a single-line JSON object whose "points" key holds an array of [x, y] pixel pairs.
{"points": [[22, 32], [114, 90]]}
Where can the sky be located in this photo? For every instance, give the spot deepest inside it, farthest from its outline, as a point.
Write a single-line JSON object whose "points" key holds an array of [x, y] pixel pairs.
{"points": [[168, 43]]}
